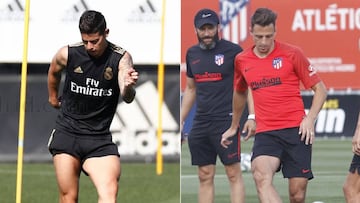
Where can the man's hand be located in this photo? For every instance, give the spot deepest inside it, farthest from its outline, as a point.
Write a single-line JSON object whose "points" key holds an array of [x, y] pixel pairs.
{"points": [[249, 127], [356, 141], [226, 135], [128, 79], [306, 130], [55, 102], [131, 77]]}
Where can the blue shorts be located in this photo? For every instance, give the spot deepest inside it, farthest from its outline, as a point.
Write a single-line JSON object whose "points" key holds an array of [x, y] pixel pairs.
{"points": [[204, 143], [355, 164], [294, 155], [81, 147]]}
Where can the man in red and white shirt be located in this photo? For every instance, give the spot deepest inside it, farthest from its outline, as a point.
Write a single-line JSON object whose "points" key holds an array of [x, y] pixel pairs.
{"points": [[284, 134]]}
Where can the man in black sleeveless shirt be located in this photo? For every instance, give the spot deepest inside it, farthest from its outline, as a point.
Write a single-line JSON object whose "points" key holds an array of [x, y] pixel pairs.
{"points": [[97, 74], [209, 83]]}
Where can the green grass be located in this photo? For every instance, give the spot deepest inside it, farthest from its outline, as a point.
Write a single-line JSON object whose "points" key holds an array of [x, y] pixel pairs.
{"points": [[331, 159], [139, 183]]}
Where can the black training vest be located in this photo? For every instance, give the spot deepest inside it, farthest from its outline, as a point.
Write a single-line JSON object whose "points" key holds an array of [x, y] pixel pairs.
{"points": [[91, 91]]}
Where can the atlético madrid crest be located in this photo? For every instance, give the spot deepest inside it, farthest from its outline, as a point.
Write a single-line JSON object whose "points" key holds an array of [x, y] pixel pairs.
{"points": [[277, 63], [219, 59], [234, 19]]}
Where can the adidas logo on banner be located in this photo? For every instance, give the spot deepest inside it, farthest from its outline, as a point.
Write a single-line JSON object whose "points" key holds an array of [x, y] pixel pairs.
{"points": [[15, 6], [134, 125], [147, 11], [12, 10], [75, 11]]}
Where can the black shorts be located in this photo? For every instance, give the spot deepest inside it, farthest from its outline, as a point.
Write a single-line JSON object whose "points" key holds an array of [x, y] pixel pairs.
{"points": [[355, 164], [204, 143], [81, 147], [294, 155]]}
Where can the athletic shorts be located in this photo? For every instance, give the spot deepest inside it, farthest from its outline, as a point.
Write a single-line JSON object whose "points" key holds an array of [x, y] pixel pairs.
{"points": [[294, 155], [81, 147], [204, 143], [355, 164]]}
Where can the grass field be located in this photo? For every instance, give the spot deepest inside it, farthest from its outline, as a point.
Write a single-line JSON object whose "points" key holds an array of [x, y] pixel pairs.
{"points": [[331, 159], [138, 184]]}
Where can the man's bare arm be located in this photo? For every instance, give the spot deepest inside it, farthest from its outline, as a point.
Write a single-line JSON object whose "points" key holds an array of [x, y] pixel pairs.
{"points": [[58, 63], [127, 78]]}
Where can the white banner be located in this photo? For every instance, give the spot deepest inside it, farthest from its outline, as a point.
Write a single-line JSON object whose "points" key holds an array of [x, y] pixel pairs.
{"points": [[134, 25]]}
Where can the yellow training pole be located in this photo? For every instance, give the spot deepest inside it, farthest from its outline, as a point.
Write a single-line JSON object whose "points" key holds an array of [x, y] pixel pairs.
{"points": [[159, 158], [22, 105]]}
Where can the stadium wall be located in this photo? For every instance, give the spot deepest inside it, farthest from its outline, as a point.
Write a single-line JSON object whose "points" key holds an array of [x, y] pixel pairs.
{"points": [[135, 25], [327, 31]]}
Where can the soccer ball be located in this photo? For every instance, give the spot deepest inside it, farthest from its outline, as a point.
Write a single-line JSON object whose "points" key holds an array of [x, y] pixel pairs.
{"points": [[245, 162]]}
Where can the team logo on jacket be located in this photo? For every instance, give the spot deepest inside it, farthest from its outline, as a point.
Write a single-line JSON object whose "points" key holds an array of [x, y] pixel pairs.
{"points": [[108, 74], [78, 70], [219, 59], [277, 63]]}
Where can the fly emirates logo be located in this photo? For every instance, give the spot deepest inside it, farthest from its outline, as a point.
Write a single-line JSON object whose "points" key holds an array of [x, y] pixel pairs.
{"points": [[91, 88], [332, 18]]}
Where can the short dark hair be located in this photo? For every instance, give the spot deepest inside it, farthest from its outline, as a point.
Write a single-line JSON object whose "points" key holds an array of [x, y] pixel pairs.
{"points": [[92, 22], [263, 17]]}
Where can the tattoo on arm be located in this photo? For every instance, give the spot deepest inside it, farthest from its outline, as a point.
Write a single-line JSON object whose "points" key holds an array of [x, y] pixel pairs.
{"points": [[127, 90]]}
